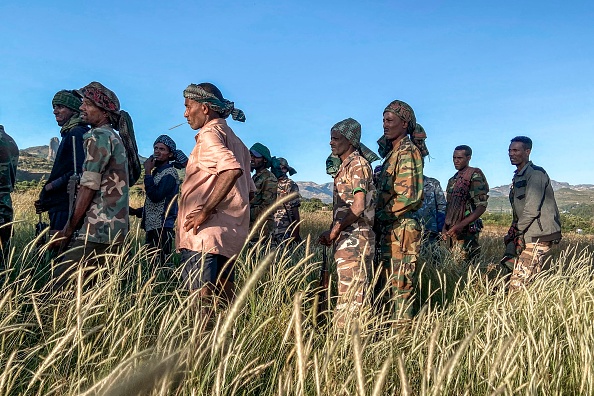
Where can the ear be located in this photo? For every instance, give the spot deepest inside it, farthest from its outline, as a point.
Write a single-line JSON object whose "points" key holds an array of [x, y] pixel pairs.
{"points": [[205, 108]]}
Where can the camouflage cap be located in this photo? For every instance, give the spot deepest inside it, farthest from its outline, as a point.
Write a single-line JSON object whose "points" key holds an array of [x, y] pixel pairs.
{"points": [[351, 130], [404, 111], [67, 99], [263, 151], [418, 137], [284, 163], [102, 97]]}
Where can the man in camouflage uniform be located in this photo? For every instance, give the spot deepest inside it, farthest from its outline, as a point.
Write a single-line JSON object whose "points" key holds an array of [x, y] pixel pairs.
{"points": [[9, 158], [102, 199], [54, 197], [352, 228], [400, 194], [467, 195], [536, 223], [286, 218], [266, 187]]}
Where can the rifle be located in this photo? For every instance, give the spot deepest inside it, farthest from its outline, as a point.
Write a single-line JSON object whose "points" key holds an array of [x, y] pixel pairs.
{"points": [[73, 182], [323, 288], [40, 228]]}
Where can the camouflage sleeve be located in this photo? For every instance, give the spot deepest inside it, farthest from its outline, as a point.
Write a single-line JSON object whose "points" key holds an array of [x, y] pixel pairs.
{"points": [[359, 176], [295, 203], [408, 183], [97, 155], [479, 189], [265, 196]]}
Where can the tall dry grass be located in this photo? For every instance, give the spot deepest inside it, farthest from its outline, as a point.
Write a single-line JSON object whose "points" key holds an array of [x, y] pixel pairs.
{"points": [[135, 332]]}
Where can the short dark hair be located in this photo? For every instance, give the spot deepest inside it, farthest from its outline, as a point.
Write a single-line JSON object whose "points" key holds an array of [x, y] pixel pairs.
{"points": [[525, 140], [467, 149]]}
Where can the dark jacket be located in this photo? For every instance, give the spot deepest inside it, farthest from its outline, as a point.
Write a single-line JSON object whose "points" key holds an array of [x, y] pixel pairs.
{"points": [[56, 200], [533, 202], [160, 206]]}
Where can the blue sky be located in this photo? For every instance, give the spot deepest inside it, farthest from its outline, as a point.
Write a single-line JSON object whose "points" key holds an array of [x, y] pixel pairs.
{"points": [[476, 73]]}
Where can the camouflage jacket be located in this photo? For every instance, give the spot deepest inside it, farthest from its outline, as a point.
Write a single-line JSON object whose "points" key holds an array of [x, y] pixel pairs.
{"points": [[477, 192], [431, 216], [400, 183], [9, 158], [354, 175], [265, 195], [105, 171], [286, 186]]}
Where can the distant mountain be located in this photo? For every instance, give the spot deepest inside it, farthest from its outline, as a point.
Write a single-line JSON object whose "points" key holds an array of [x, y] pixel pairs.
{"points": [[313, 190], [503, 191], [33, 163]]}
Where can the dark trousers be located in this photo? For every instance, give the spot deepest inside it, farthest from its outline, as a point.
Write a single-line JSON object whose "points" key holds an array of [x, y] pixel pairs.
{"points": [[162, 240], [58, 220]]}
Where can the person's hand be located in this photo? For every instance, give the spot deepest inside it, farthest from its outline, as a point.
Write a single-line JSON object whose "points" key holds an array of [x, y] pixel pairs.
{"points": [[334, 232], [324, 239], [195, 219], [48, 187], [454, 231], [149, 165], [60, 241]]}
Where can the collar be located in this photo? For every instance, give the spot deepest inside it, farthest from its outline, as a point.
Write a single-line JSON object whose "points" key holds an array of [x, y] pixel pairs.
{"points": [[523, 170], [216, 121]]}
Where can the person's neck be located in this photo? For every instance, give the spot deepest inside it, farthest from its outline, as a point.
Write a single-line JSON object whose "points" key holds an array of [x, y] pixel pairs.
{"points": [[397, 140], [463, 169], [521, 166], [260, 170], [345, 155]]}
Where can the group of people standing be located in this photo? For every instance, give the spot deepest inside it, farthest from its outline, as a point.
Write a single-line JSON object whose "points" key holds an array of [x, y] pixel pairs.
{"points": [[384, 214], [382, 217]]}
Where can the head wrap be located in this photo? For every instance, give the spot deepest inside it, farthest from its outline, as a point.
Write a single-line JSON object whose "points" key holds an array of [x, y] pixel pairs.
{"points": [[259, 148], [67, 99], [224, 107], [418, 138], [106, 99], [278, 164], [332, 165], [351, 130], [405, 112], [179, 158]]}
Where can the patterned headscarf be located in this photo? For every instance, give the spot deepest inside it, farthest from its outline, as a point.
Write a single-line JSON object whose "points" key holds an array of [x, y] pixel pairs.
{"points": [[278, 164], [223, 107], [179, 157], [106, 99], [405, 112], [418, 138], [351, 130], [67, 99]]}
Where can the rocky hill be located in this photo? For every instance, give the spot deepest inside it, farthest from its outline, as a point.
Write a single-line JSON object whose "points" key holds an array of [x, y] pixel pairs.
{"points": [[312, 190]]}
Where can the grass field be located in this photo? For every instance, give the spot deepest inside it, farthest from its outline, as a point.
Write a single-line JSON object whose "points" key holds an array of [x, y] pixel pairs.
{"points": [[135, 332]]}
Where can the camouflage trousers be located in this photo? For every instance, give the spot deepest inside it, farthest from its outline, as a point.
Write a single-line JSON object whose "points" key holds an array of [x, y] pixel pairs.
{"points": [[465, 248], [529, 264], [399, 250], [353, 255]]}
